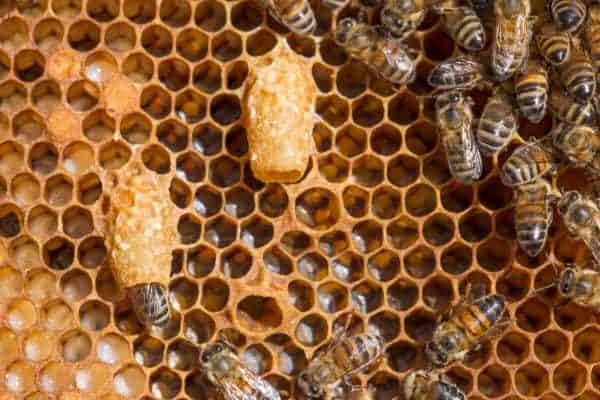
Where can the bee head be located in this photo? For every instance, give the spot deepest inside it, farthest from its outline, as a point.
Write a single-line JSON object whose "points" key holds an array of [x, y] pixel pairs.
{"points": [[343, 30], [217, 354], [567, 200], [309, 386], [566, 282], [437, 355]]}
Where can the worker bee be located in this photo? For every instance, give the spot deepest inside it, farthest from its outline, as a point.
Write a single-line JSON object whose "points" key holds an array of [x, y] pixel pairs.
{"points": [[454, 118], [456, 73], [497, 124], [429, 385], [553, 45], [580, 286], [531, 89], [568, 15], [465, 27], [234, 381], [572, 112], [526, 164], [369, 44], [150, 303], [296, 15], [327, 375], [400, 24], [578, 143], [511, 40], [582, 219], [579, 77], [593, 34], [335, 5], [475, 319], [533, 215]]}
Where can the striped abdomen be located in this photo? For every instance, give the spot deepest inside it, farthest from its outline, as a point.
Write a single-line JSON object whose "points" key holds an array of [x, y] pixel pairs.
{"points": [[462, 153], [480, 316], [390, 60], [496, 126], [593, 34], [441, 390], [527, 163], [150, 303], [579, 143], [297, 15], [356, 353], [579, 78], [465, 27], [577, 113], [533, 216], [458, 72], [568, 14], [531, 88], [336, 4], [554, 46]]}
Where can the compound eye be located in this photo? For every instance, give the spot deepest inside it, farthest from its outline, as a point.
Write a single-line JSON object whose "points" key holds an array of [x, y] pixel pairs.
{"points": [[581, 215], [205, 357], [218, 348]]}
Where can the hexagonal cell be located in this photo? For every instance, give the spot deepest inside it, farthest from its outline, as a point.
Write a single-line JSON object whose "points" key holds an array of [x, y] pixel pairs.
{"points": [[571, 316], [83, 95], [513, 348], [89, 189], [173, 135], [129, 381], [226, 46], [13, 95], [200, 261], [438, 229], [27, 126], [402, 232], [12, 283], [75, 285], [494, 195], [419, 262], [99, 126], [333, 167], [385, 140], [174, 74], [94, 315], [356, 201], [533, 315], [47, 34], [24, 253], [475, 226], [78, 157], [332, 297], [367, 111], [368, 171], [112, 349], [301, 295], [54, 377], [207, 201], [164, 383], [257, 232], [224, 171], [43, 158], [569, 378], [14, 33], [77, 222], [120, 37], [275, 260], [20, 377], [114, 155], [198, 327], [246, 16], [58, 253], [29, 65], [215, 295], [584, 346], [182, 355], [236, 262], [192, 44], [56, 315], [25, 189], [333, 110], [348, 267], [318, 208], [402, 170], [367, 236], [138, 67], [366, 297], [311, 330], [419, 325], [402, 356], [189, 229], [260, 43], [258, 313], [457, 197], [313, 266], [190, 106], [494, 381], [156, 102], [333, 243], [351, 141], [438, 293], [435, 168], [182, 294], [493, 255], [100, 67], [386, 202], [157, 40], [207, 77], [456, 259], [384, 265], [75, 345], [175, 13], [239, 203], [351, 79]]}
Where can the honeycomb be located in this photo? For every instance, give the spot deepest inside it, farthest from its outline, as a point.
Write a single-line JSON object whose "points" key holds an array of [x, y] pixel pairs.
{"points": [[376, 227]]}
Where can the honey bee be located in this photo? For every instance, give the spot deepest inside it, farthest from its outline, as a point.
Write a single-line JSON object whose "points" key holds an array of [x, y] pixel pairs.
{"points": [[384, 55], [578, 143], [580, 286], [579, 77], [511, 41], [475, 319], [526, 164], [533, 215], [335, 5], [327, 375], [429, 385], [497, 124], [582, 219], [568, 15], [150, 303], [400, 24], [456, 73], [531, 89], [465, 27], [234, 381], [553, 45], [296, 15], [593, 34], [454, 118], [572, 112]]}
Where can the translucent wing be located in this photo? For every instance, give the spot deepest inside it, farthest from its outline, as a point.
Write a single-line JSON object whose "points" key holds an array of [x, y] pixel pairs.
{"points": [[459, 65], [247, 386]]}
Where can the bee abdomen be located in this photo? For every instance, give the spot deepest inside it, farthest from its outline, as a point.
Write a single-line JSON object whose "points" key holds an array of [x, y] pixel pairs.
{"points": [[446, 391], [298, 16], [568, 14], [524, 165], [555, 48], [468, 30], [532, 96], [531, 225], [580, 81], [465, 164], [369, 347], [595, 46], [401, 72], [483, 314], [577, 113], [335, 4], [150, 303], [496, 126]]}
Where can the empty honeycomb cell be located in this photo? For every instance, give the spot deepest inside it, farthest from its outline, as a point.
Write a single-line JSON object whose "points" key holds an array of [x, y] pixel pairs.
{"points": [[225, 109], [584, 346], [419, 325], [420, 200], [318, 208], [83, 35], [48, 34], [260, 43], [55, 377], [46, 96], [182, 294], [83, 95], [20, 315], [513, 348], [273, 200], [11, 158], [351, 79], [207, 77], [188, 229], [366, 297], [180, 193], [236, 262], [435, 168], [567, 249], [226, 46], [514, 285], [333, 167], [493, 255], [533, 315], [403, 108], [438, 293], [114, 155], [311, 330], [569, 378], [75, 345], [207, 201], [29, 65], [43, 159], [457, 197], [13, 96], [419, 262], [323, 77], [75, 285], [24, 253], [78, 157], [402, 356], [56, 315], [103, 10], [301, 295], [94, 315], [384, 265], [129, 381], [334, 242], [148, 351], [99, 126], [138, 67], [156, 102], [386, 203], [164, 384], [332, 297], [291, 360], [157, 40], [224, 171], [77, 222], [351, 141], [323, 137], [531, 380], [207, 139], [215, 295], [11, 283], [493, 195], [386, 324], [367, 236], [402, 232], [211, 15], [40, 285], [421, 137], [182, 355], [89, 189], [27, 126], [438, 229], [348, 267], [245, 15], [200, 261], [571, 316], [475, 226], [313, 266], [331, 53], [258, 313], [332, 109], [368, 171], [276, 261], [14, 33], [303, 45], [257, 358], [367, 111], [173, 73], [58, 253], [239, 203], [175, 13], [356, 201], [494, 381], [385, 140], [257, 232], [10, 220], [120, 37], [25, 189], [112, 348], [20, 377]]}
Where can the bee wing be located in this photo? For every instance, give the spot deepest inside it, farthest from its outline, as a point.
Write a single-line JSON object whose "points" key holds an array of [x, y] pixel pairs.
{"points": [[459, 65], [262, 388], [245, 385]]}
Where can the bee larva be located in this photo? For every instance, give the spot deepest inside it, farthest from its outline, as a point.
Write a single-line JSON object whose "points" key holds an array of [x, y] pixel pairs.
{"points": [[279, 100], [579, 77], [572, 112], [429, 385], [554, 46], [511, 40], [578, 143], [327, 375], [454, 118], [593, 34], [533, 215], [296, 15], [580, 286], [473, 320], [527, 163], [581, 216], [141, 234], [465, 27], [531, 89], [386, 56], [497, 124], [568, 15], [400, 24], [456, 73]]}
